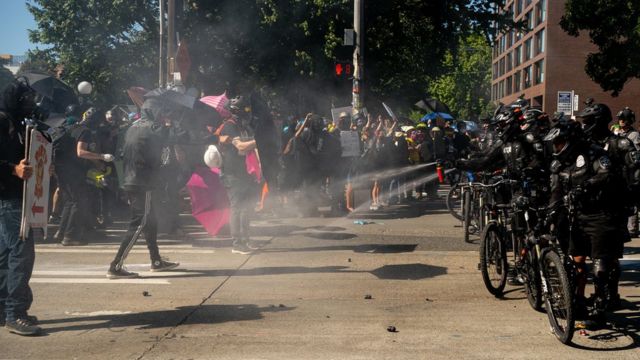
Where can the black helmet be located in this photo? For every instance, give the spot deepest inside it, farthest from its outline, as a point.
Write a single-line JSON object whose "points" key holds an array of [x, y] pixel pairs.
{"points": [[595, 117], [507, 122], [238, 105], [19, 98], [627, 115], [564, 136]]}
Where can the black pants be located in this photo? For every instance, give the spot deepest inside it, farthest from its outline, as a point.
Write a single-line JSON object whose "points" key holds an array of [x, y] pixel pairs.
{"points": [[242, 195], [74, 219], [143, 220]]}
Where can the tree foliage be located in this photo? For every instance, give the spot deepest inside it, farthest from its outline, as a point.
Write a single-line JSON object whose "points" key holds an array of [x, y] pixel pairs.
{"points": [[112, 44], [614, 27], [287, 46], [465, 86]]}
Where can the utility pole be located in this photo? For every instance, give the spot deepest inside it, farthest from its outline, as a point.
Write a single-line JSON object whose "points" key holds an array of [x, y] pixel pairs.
{"points": [[171, 36], [358, 58], [161, 55]]}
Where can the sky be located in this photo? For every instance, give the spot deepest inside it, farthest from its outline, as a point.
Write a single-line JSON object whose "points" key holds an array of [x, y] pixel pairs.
{"points": [[15, 19]]}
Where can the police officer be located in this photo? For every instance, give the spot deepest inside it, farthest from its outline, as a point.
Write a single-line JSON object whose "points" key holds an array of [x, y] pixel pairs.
{"points": [[626, 118], [16, 255], [611, 229]]}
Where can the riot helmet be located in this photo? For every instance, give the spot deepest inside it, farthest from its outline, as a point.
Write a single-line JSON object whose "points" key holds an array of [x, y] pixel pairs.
{"points": [[595, 119], [19, 98], [626, 117], [564, 137], [507, 123]]}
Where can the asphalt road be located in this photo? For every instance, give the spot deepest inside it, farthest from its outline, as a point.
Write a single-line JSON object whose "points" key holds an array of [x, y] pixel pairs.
{"points": [[321, 288]]}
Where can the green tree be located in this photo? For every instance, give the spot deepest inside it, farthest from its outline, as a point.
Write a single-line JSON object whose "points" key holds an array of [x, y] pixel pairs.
{"points": [[38, 61], [614, 27], [111, 43], [466, 85]]}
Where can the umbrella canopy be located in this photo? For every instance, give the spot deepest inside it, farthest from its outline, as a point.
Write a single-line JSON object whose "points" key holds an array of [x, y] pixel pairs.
{"points": [[435, 115], [218, 102], [431, 104], [209, 201], [57, 95], [173, 97], [136, 94]]}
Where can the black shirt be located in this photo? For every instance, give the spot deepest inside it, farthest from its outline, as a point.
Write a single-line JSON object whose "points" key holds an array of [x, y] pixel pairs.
{"points": [[233, 164], [12, 150]]}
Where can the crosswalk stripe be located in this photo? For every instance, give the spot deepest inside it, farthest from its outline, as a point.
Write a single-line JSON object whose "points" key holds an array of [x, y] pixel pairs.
{"points": [[99, 281], [87, 250], [104, 272]]}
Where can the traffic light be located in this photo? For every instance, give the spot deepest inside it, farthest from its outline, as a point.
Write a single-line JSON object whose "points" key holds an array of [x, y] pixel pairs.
{"points": [[343, 69]]}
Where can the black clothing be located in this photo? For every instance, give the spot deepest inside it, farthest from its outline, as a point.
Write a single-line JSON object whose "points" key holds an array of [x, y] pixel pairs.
{"points": [[142, 151], [143, 220], [12, 150], [233, 164]]}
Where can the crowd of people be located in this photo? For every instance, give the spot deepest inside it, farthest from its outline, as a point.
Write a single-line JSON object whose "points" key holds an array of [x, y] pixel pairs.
{"points": [[316, 156], [587, 178]]}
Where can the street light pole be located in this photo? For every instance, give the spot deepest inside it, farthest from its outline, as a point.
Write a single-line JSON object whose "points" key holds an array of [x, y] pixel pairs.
{"points": [[160, 54], [358, 58], [171, 34]]}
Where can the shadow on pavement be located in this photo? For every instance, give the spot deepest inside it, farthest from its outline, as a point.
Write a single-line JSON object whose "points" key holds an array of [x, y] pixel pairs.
{"points": [[408, 271], [366, 248], [205, 314]]}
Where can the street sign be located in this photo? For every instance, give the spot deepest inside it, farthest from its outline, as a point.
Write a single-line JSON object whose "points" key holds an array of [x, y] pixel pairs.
{"points": [[35, 199], [565, 102], [349, 37]]}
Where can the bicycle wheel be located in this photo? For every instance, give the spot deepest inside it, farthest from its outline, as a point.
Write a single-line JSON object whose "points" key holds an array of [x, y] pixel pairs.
{"points": [[532, 285], [466, 213], [559, 297], [454, 203], [493, 260]]}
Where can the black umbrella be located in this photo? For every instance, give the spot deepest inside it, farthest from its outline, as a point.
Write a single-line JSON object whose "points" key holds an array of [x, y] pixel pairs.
{"points": [[57, 94], [172, 97], [266, 136], [434, 105]]}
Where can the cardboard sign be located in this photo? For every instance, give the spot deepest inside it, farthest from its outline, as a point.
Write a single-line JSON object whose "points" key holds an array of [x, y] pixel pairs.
{"points": [[350, 143], [35, 201]]}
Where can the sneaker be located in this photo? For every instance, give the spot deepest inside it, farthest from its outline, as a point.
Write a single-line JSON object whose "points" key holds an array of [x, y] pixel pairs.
{"points": [[241, 248], [513, 278], [53, 219], [73, 242], [22, 326], [163, 265], [121, 274], [253, 245]]}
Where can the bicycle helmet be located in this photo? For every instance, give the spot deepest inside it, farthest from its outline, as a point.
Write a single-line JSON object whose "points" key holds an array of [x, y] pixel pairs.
{"points": [[595, 118], [564, 137]]}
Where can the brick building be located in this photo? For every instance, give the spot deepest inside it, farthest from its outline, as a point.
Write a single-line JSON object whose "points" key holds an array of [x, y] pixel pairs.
{"points": [[547, 65]]}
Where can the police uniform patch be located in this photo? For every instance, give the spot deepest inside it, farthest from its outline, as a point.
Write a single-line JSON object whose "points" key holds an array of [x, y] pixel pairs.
{"points": [[604, 162], [580, 161]]}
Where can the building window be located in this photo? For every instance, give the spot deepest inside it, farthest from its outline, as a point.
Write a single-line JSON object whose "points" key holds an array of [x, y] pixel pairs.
{"points": [[541, 12], [538, 101], [509, 82], [527, 3], [528, 50], [518, 7], [540, 41], [501, 89], [527, 77], [517, 83], [529, 18], [517, 56], [502, 67], [494, 92], [509, 61], [495, 70], [538, 69]]}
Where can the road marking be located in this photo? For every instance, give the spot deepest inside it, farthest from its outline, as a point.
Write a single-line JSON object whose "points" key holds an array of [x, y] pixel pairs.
{"points": [[144, 274], [87, 250], [99, 281]]}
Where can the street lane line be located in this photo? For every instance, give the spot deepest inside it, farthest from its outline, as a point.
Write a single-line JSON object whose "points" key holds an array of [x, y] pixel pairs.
{"points": [[115, 248], [144, 274], [99, 281]]}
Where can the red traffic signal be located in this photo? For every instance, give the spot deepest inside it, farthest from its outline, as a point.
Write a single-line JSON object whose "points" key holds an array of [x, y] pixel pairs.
{"points": [[343, 69]]}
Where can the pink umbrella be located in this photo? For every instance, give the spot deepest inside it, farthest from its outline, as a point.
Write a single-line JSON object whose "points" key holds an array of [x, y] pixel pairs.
{"points": [[209, 202], [218, 103]]}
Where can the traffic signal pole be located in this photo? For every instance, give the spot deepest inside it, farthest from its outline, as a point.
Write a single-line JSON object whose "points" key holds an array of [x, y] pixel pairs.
{"points": [[358, 58]]}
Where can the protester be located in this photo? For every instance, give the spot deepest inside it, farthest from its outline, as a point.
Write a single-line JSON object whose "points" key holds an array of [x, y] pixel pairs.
{"points": [[16, 255], [142, 152]]}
